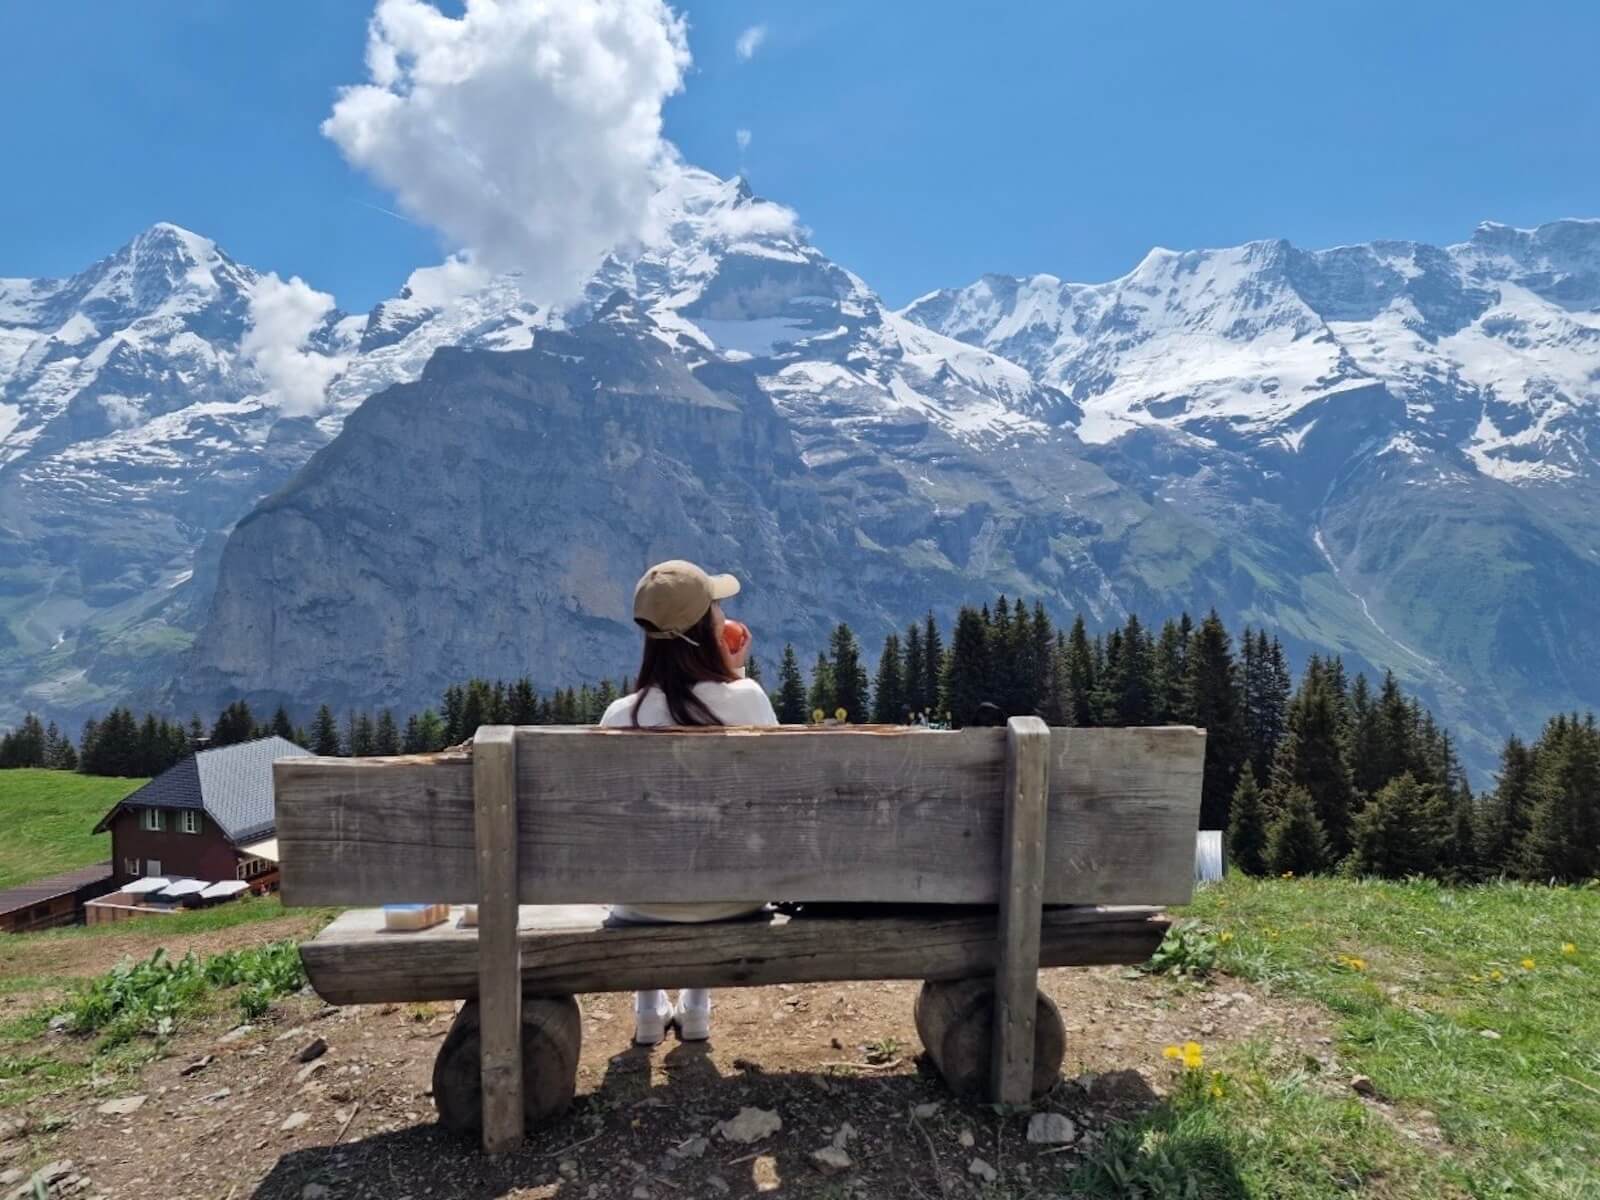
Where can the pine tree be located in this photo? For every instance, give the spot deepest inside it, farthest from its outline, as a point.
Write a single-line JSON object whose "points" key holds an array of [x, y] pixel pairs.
{"points": [[25, 746], [916, 692], [430, 732], [411, 737], [1505, 814], [932, 665], [850, 682], [362, 738], [1169, 702], [752, 668], [791, 700], [281, 725], [523, 702], [1132, 687], [962, 689], [1214, 705], [1296, 843], [1081, 681], [235, 724], [325, 733], [1563, 840], [1004, 681], [1389, 836], [888, 691], [1247, 826], [386, 738], [1310, 756], [454, 701], [821, 698], [1041, 664]]}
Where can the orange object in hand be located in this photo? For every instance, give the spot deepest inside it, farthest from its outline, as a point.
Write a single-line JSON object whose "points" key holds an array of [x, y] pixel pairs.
{"points": [[735, 635]]}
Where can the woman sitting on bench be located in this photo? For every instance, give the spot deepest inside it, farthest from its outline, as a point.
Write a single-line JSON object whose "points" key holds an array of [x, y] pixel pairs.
{"points": [[687, 676]]}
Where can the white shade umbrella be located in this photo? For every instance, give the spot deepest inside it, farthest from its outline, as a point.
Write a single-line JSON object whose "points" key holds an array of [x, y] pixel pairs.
{"points": [[185, 887], [153, 883], [221, 891]]}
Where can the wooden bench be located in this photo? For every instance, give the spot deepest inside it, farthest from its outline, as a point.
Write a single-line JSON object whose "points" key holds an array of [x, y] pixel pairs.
{"points": [[1029, 847]]}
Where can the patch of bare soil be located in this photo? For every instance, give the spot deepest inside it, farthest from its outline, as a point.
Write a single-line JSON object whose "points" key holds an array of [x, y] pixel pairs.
{"points": [[838, 1063]]}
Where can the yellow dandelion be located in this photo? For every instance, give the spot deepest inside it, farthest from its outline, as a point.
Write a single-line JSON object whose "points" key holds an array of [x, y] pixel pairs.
{"points": [[1216, 1091], [1496, 975], [1225, 936], [1527, 964], [816, 716], [1171, 1052], [1474, 978], [1287, 875], [1193, 1059], [839, 714], [1569, 948]]}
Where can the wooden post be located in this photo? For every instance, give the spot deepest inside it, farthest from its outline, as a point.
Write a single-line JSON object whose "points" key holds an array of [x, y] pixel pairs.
{"points": [[1022, 855], [494, 797]]}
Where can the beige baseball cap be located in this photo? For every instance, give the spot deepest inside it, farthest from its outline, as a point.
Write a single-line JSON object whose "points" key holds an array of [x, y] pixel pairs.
{"points": [[673, 596]]}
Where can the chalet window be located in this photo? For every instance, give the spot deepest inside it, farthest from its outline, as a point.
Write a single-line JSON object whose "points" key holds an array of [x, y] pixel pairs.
{"points": [[152, 866], [130, 866], [189, 821], [152, 820]]}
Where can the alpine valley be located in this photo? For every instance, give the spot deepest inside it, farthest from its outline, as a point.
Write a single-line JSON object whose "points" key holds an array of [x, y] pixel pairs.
{"points": [[1389, 451]]}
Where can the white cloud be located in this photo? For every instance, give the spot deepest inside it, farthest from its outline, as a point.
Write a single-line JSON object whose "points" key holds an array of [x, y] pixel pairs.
{"points": [[756, 219], [748, 42], [438, 287], [283, 315], [122, 411], [526, 131], [742, 136]]}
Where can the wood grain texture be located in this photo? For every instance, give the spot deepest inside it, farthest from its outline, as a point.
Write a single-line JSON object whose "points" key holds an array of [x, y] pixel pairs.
{"points": [[552, 1039], [955, 1020], [1022, 847], [571, 948], [885, 814], [494, 790]]}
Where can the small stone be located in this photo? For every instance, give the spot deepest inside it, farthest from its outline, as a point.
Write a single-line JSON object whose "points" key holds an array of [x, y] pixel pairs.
{"points": [[925, 1112], [313, 1049], [287, 1034], [217, 1096], [640, 1192], [718, 1184], [1492, 1034], [8, 1177], [59, 1022], [967, 1140], [750, 1125], [843, 1134], [293, 1121], [982, 1170], [199, 1064], [314, 1191], [1362, 1085], [310, 1069], [53, 1172], [694, 1147], [234, 1034], [322, 1014], [1051, 1129], [568, 1169], [830, 1160], [121, 1106]]}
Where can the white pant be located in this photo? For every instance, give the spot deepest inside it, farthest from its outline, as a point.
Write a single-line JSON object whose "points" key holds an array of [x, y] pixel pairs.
{"points": [[657, 1000]]}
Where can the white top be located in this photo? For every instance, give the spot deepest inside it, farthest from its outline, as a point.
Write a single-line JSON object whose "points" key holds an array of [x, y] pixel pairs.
{"points": [[742, 702]]}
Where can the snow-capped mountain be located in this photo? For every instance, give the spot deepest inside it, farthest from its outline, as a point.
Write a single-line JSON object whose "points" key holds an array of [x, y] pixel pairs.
{"points": [[1386, 450], [1492, 345]]}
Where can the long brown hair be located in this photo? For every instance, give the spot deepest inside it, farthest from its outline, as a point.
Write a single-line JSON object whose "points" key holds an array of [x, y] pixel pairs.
{"points": [[675, 666]]}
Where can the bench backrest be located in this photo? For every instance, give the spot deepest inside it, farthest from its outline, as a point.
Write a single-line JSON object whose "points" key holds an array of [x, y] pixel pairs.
{"points": [[883, 814]]}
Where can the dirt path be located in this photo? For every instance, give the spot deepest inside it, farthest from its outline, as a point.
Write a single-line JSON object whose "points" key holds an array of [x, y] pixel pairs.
{"points": [[359, 1121]]}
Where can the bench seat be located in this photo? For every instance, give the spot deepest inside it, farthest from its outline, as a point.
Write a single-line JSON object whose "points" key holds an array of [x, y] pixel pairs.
{"points": [[573, 948]]}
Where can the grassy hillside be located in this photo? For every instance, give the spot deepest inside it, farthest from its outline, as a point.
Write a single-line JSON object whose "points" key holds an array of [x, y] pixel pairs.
{"points": [[45, 819], [1474, 1013]]}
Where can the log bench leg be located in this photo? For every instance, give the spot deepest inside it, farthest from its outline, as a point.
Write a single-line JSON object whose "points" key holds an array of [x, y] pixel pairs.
{"points": [[955, 1020], [552, 1036]]}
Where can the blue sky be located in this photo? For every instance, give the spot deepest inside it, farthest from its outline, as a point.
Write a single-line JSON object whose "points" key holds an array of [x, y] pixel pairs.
{"points": [[923, 144]]}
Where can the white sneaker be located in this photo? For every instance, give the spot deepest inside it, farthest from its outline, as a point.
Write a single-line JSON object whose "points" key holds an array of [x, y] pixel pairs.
{"points": [[650, 1024], [694, 1024]]}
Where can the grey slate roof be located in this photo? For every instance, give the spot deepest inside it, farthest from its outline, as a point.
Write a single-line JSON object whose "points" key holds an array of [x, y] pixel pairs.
{"points": [[233, 784]]}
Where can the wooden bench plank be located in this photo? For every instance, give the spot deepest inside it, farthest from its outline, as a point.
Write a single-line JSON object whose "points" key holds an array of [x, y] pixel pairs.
{"points": [[887, 814], [572, 949], [494, 787], [1022, 851]]}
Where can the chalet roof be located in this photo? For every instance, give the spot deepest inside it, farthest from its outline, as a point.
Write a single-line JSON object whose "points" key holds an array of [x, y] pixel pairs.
{"points": [[231, 784], [40, 890]]}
